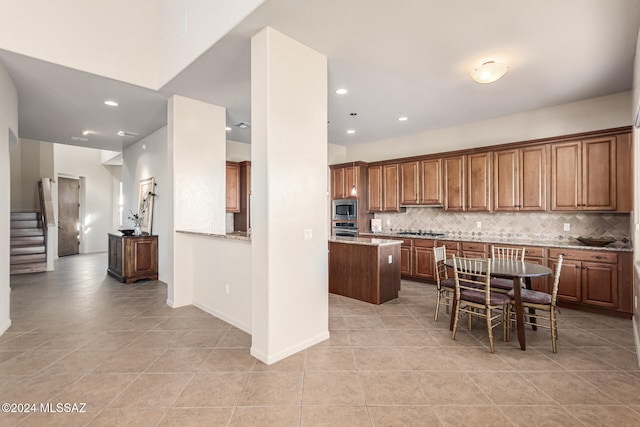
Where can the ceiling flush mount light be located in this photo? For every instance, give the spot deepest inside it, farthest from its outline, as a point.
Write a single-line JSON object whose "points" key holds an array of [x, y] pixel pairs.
{"points": [[86, 132], [342, 91], [351, 131], [111, 103], [243, 125], [403, 119], [79, 139], [489, 72]]}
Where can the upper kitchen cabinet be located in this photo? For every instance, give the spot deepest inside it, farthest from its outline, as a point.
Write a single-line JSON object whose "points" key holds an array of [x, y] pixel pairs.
{"points": [[344, 177], [453, 182], [479, 182], [420, 182], [241, 218], [519, 179], [233, 187], [584, 175], [383, 188]]}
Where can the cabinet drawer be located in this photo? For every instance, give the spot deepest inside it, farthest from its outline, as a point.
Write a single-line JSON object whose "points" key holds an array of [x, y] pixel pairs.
{"points": [[533, 252], [451, 246], [607, 257], [406, 242], [473, 247], [423, 243]]}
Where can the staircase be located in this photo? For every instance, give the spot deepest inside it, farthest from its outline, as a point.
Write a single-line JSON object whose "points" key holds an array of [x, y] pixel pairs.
{"points": [[28, 248]]}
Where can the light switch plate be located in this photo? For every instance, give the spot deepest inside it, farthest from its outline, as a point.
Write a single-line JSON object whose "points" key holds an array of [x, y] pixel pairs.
{"points": [[567, 226], [308, 234], [390, 259]]}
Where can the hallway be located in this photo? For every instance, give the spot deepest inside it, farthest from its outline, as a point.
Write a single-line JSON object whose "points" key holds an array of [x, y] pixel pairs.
{"points": [[79, 336]]}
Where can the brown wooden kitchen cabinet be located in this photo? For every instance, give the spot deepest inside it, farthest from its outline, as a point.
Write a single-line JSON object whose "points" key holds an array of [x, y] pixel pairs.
{"points": [[241, 218], [598, 279], [474, 250], [406, 258], [420, 182], [233, 187], [383, 188], [344, 177], [519, 179], [423, 266], [453, 183], [584, 175], [133, 258], [478, 182]]}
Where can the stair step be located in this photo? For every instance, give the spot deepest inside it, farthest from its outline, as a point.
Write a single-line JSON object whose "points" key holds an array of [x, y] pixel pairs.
{"points": [[35, 267], [16, 216], [25, 250], [23, 223], [21, 232], [31, 258], [27, 240]]}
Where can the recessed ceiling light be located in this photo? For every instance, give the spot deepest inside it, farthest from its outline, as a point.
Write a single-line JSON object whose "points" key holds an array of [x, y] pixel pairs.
{"points": [[403, 119], [227, 128], [489, 72], [79, 139], [350, 131], [111, 103], [86, 132], [341, 91]]}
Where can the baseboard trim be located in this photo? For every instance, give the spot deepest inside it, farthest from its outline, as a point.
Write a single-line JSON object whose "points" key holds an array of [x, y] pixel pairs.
{"points": [[222, 316], [4, 327], [271, 359], [636, 338]]}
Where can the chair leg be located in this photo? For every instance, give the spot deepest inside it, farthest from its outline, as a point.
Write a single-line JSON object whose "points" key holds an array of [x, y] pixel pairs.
{"points": [[554, 330], [438, 305], [469, 319], [447, 302], [505, 323], [455, 321], [487, 313]]}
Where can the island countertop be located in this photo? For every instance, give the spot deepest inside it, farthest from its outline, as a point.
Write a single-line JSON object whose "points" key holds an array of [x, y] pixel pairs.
{"points": [[368, 241]]}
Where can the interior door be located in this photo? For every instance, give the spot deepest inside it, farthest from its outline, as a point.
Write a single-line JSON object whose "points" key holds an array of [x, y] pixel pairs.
{"points": [[68, 216]]}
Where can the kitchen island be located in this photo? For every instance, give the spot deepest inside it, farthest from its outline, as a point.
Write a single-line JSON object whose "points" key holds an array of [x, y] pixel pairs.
{"points": [[364, 268]]}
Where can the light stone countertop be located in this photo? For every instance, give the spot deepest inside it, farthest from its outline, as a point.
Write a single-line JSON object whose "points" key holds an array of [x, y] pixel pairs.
{"points": [[368, 241], [570, 244], [236, 235]]}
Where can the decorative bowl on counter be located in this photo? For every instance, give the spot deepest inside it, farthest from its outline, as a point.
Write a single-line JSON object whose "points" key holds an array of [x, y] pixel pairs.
{"points": [[590, 241], [127, 231]]}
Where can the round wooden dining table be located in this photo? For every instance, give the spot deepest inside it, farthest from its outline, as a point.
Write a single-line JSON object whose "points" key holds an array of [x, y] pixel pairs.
{"points": [[517, 271]]}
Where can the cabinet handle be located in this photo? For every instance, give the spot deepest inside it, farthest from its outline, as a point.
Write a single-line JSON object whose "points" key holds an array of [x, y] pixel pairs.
{"points": [[598, 257]]}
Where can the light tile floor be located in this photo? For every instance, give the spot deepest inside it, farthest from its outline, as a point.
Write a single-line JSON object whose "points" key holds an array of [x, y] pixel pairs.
{"points": [[80, 336]]}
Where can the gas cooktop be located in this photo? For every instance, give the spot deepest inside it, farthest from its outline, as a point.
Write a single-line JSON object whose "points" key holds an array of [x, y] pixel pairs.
{"points": [[420, 233]]}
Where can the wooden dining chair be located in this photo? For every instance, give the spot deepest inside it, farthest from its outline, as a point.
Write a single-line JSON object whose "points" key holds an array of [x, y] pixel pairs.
{"points": [[513, 254], [474, 297], [541, 306], [446, 286]]}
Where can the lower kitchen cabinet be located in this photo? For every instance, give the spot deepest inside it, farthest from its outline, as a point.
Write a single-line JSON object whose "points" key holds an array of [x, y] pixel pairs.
{"points": [[133, 258], [423, 267], [406, 258], [474, 250]]}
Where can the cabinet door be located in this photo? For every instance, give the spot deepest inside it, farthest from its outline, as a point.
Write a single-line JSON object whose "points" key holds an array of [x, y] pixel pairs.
{"points": [[409, 180], [453, 183], [350, 180], [390, 188], [479, 182], [233, 187], [115, 254], [624, 170], [337, 183], [599, 284], [569, 287], [566, 185], [599, 174], [405, 261], [533, 179], [538, 283], [506, 187], [374, 187], [423, 262], [430, 182]]}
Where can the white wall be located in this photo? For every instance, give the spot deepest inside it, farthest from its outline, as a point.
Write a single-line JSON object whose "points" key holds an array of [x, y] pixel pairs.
{"points": [[8, 140], [97, 206], [289, 196], [592, 114], [116, 39], [197, 152], [635, 109], [145, 159], [238, 151]]}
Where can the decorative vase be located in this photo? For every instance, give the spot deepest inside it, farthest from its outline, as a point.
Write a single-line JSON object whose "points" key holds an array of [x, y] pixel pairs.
{"points": [[136, 230]]}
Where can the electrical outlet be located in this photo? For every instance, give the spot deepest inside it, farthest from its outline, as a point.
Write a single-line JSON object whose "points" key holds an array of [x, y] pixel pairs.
{"points": [[478, 224], [226, 288], [388, 222], [390, 259], [308, 234], [567, 226]]}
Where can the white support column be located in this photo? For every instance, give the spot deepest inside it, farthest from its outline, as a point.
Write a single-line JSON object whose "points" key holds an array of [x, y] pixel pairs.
{"points": [[197, 145], [289, 196]]}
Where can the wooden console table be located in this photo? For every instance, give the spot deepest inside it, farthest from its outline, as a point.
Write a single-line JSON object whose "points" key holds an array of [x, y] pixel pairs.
{"points": [[132, 258]]}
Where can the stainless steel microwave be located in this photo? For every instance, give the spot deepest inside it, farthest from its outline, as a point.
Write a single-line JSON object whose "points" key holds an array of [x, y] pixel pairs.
{"points": [[345, 209]]}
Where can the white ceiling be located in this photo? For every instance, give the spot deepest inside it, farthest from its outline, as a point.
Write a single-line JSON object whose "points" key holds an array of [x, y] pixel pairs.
{"points": [[404, 58]]}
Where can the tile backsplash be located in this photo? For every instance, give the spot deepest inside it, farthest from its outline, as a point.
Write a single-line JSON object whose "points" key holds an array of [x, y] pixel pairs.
{"points": [[520, 225]]}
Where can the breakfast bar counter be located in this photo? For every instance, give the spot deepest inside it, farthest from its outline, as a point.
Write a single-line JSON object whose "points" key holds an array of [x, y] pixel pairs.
{"points": [[364, 268]]}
